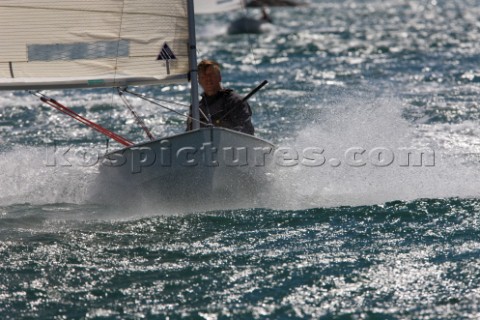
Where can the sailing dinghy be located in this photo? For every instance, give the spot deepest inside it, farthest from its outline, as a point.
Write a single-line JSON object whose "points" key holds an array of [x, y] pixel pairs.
{"points": [[50, 44], [243, 23], [216, 6]]}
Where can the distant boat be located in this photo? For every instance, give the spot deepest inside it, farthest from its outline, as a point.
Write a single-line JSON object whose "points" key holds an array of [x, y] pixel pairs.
{"points": [[246, 24], [216, 6], [242, 24], [274, 3]]}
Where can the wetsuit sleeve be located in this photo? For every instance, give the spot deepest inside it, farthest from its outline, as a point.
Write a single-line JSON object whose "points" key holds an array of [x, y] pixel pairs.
{"points": [[241, 115]]}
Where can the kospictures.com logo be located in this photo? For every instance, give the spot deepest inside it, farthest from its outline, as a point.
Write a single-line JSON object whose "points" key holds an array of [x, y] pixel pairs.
{"points": [[165, 155], [356, 157]]}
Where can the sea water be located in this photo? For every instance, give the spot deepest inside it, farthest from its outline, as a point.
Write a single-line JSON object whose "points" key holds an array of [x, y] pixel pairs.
{"points": [[364, 233]]}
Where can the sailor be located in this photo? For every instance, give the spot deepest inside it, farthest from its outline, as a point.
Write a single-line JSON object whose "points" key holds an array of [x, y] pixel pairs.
{"points": [[220, 107], [265, 16]]}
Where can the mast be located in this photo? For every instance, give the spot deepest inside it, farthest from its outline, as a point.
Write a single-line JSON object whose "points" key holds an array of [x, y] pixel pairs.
{"points": [[192, 58]]}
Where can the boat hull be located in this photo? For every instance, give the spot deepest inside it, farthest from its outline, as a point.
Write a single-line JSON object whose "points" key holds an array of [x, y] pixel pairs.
{"points": [[249, 25], [209, 168]]}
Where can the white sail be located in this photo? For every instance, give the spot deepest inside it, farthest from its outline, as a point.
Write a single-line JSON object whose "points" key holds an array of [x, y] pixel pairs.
{"points": [[92, 43], [214, 6]]}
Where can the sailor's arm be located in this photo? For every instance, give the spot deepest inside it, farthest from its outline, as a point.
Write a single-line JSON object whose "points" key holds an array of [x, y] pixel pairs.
{"points": [[241, 115]]}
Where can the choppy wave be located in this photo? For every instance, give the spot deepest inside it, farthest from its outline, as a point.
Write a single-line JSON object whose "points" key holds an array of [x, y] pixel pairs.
{"points": [[353, 262]]}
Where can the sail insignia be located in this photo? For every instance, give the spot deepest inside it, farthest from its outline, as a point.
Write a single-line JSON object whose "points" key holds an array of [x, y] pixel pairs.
{"points": [[166, 54], [10, 65]]}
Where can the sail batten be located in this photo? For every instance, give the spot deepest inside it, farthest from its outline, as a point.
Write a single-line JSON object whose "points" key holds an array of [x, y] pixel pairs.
{"points": [[85, 43]]}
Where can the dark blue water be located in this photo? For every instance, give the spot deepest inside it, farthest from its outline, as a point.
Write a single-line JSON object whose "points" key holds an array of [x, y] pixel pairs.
{"points": [[336, 241]]}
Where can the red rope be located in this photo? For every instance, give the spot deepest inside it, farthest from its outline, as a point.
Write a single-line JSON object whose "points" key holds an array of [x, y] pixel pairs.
{"points": [[85, 121]]}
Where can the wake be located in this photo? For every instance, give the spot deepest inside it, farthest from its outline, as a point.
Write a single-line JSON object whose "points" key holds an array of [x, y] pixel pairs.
{"points": [[365, 159]]}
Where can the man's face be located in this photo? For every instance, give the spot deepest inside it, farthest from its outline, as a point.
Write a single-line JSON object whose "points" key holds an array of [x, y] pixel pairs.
{"points": [[210, 79]]}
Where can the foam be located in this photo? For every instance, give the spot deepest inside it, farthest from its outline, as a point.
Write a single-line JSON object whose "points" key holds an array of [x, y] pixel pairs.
{"points": [[369, 122], [27, 177]]}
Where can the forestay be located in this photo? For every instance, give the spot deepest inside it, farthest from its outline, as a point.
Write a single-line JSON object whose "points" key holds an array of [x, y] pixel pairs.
{"points": [[92, 43], [214, 6]]}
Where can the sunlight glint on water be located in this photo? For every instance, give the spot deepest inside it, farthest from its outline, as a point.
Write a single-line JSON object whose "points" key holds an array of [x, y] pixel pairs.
{"points": [[333, 242]]}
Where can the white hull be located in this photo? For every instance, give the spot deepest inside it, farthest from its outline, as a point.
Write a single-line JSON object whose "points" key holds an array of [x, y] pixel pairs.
{"points": [[209, 168]]}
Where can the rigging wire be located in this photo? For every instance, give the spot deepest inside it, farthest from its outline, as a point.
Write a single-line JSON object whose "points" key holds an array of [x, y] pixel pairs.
{"points": [[152, 101], [139, 120]]}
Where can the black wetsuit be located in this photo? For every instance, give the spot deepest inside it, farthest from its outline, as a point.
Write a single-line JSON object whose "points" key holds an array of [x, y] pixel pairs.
{"points": [[226, 109]]}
